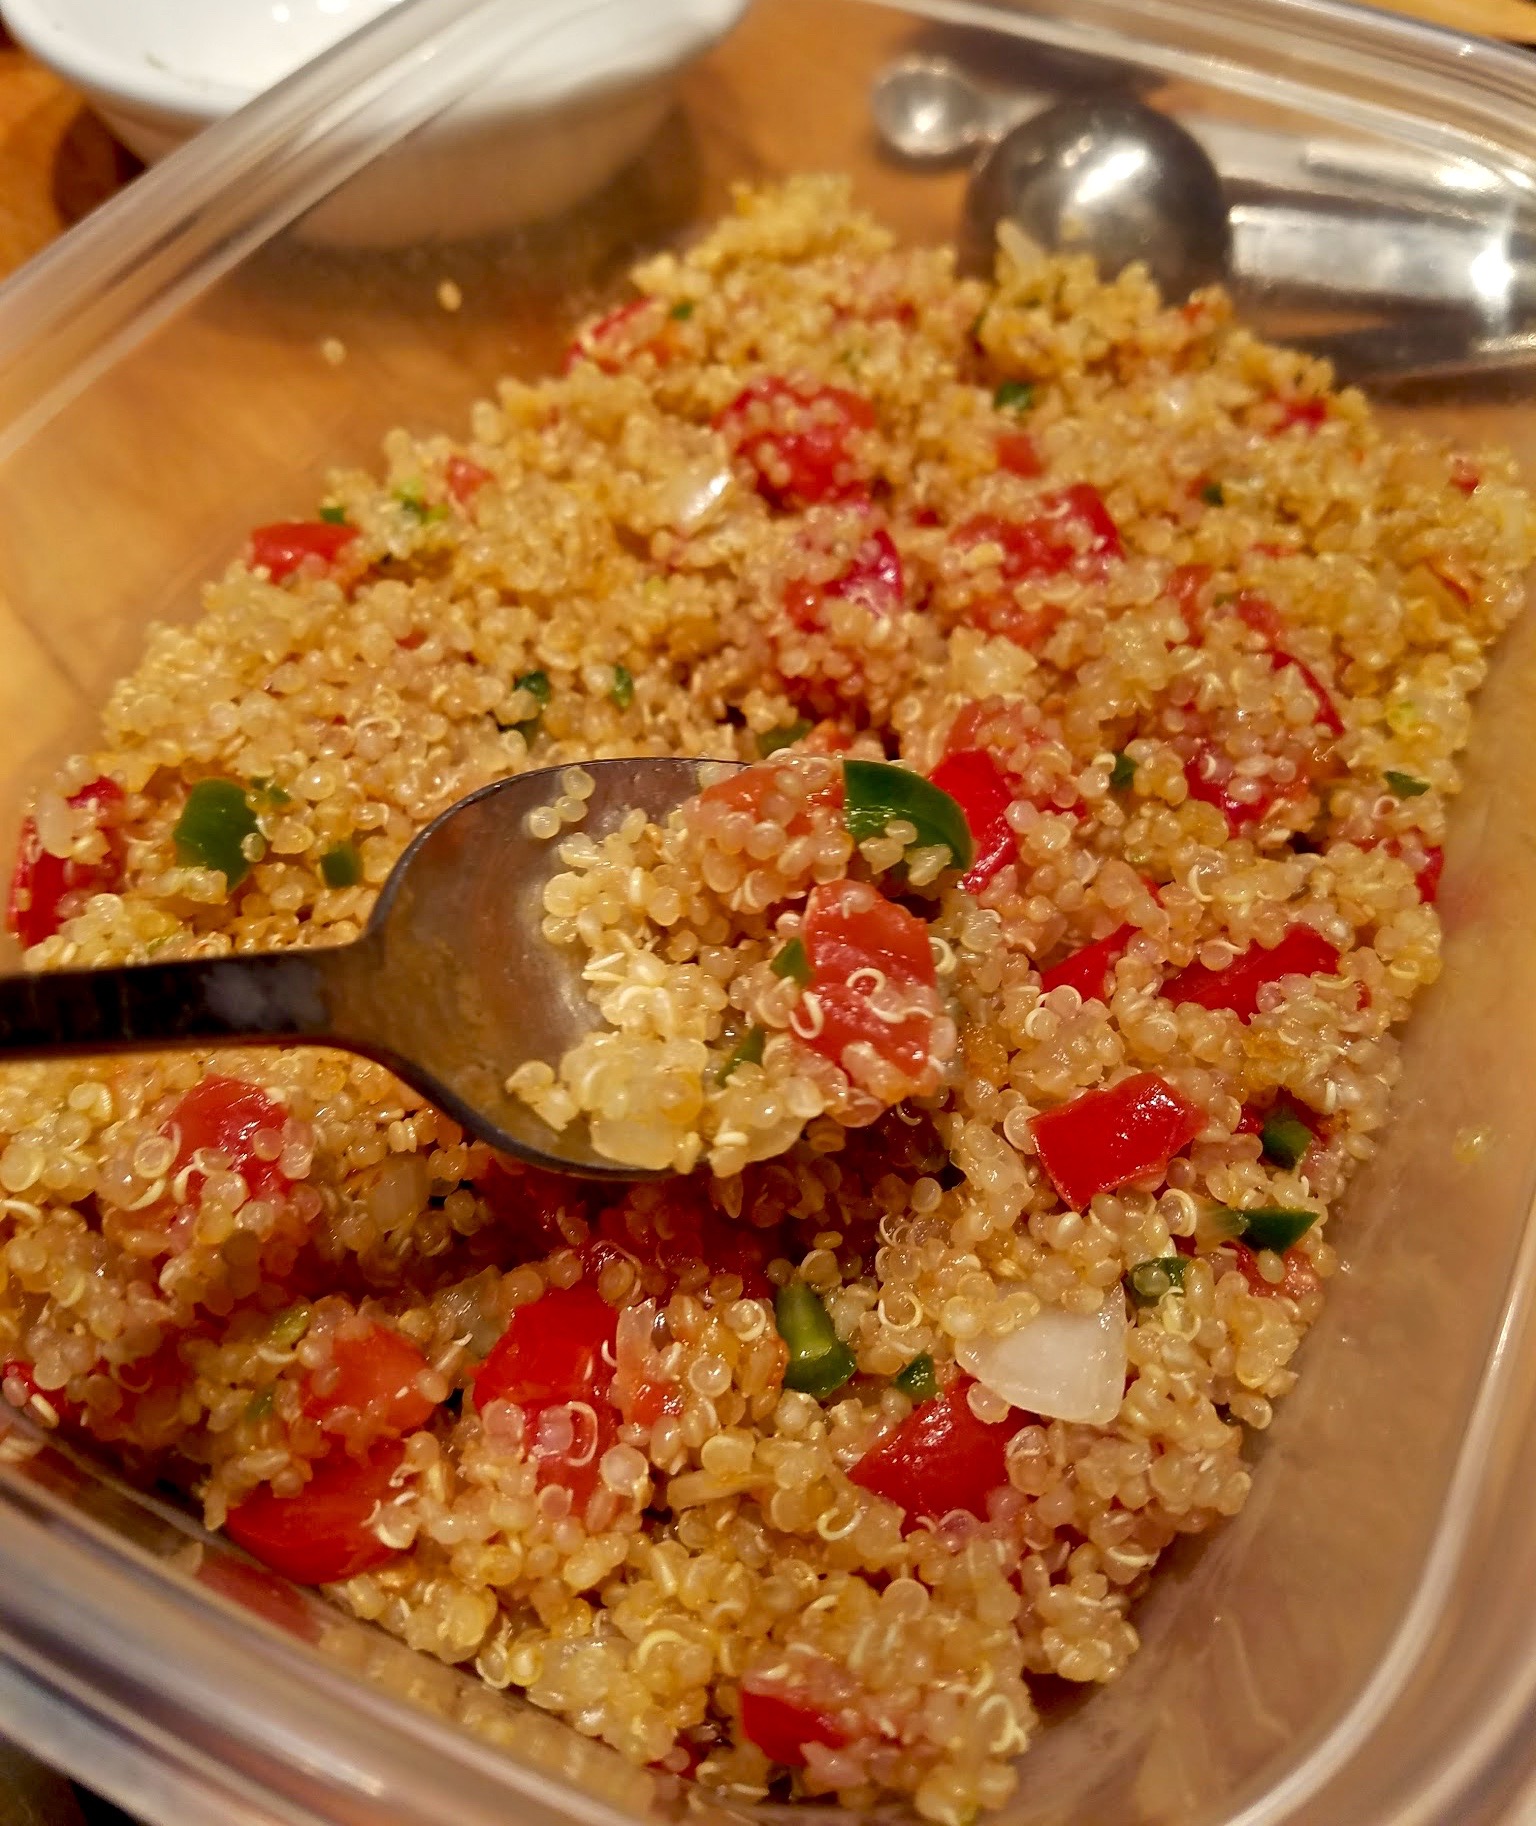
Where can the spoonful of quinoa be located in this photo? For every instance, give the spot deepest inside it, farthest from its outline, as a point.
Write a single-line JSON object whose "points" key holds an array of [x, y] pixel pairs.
{"points": [[614, 970]]}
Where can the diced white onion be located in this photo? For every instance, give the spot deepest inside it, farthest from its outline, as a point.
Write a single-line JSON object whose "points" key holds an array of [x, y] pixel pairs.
{"points": [[1064, 1365], [691, 495]]}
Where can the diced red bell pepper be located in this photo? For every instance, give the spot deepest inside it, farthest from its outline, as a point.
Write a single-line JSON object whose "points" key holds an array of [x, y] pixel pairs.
{"points": [[801, 439], [1043, 546], [941, 1458], [1309, 413], [280, 549], [44, 886], [874, 579], [465, 478], [1090, 970], [636, 327], [853, 935], [17, 1379], [560, 1347], [321, 1536], [984, 792], [1186, 585], [531, 1208], [1240, 814], [227, 1114], [750, 789], [1300, 1276], [1427, 880], [1464, 476], [1260, 614], [1104, 1139], [1016, 453], [674, 1227], [255, 1589], [782, 1722], [370, 1391], [1302, 952]]}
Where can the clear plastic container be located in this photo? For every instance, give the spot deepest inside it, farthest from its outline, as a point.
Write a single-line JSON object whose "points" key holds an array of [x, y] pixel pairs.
{"points": [[1359, 1646]]}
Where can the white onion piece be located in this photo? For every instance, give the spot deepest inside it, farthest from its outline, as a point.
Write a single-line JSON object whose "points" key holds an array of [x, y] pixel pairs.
{"points": [[691, 494], [1064, 1365]]}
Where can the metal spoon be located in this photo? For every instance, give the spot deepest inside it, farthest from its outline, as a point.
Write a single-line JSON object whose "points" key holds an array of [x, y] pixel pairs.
{"points": [[1113, 177], [452, 986]]}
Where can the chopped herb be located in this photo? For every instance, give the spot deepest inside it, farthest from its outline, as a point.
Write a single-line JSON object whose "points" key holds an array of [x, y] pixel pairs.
{"points": [[748, 1050], [1147, 1282], [212, 829], [792, 961], [334, 516], [1275, 1227], [1014, 396], [1123, 774], [976, 326], [772, 740], [413, 504], [536, 684], [918, 1379], [819, 1362], [623, 692], [261, 1404], [342, 867], [289, 1326], [877, 793], [1405, 785], [1286, 1138], [682, 310], [1222, 600], [270, 792], [1212, 495]]}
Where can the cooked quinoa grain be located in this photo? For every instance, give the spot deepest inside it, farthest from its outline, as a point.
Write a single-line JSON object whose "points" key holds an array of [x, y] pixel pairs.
{"points": [[1006, 1147]]}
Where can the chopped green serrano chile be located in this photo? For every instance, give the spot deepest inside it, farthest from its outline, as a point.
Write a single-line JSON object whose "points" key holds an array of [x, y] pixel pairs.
{"points": [[748, 1050], [623, 692], [212, 829], [1275, 1227], [342, 867], [772, 740], [334, 516], [819, 1361], [1405, 786], [1014, 396], [271, 792], [918, 1379], [793, 962], [536, 684], [288, 1327], [1213, 495], [876, 792], [1147, 1282], [682, 310], [1285, 1139], [1123, 774], [261, 1404]]}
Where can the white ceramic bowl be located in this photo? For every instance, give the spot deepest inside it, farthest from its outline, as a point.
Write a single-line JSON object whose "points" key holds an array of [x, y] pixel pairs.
{"points": [[546, 129]]}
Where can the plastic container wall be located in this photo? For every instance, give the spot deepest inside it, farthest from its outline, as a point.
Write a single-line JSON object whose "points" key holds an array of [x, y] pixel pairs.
{"points": [[1359, 1647]]}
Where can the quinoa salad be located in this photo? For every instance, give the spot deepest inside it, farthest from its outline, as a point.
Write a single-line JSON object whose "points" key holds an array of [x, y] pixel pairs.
{"points": [[1009, 1025]]}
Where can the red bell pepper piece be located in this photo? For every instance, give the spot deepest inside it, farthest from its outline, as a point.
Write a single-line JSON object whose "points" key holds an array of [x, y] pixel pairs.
{"points": [[984, 792], [1105, 1139], [466, 478], [42, 883], [1302, 952], [1300, 1276], [853, 934], [372, 1383], [782, 1723], [280, 549], [20, 1387], [1089, 970], [941, 1458], [874, 579], [1240, 814], [1017, 454], [558, 1348], [1428, 877], [321, 1535], [1306, 412], [800, 439], [226, 1115]]}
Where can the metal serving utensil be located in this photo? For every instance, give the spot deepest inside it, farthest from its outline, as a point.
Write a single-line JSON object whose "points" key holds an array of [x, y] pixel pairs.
{"points": [[452, 985], [1208, 200]]}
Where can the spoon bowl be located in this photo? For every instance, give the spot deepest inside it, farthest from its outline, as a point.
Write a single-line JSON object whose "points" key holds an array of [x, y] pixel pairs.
{"points": [[452, 985], [1109, 177]]}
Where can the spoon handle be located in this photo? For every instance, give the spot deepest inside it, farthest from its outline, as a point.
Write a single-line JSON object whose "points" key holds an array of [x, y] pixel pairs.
{"points": [[270, 996]]}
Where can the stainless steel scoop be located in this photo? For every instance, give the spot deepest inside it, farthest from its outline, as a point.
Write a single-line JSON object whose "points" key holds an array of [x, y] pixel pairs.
{"points": [[452, 986]]}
